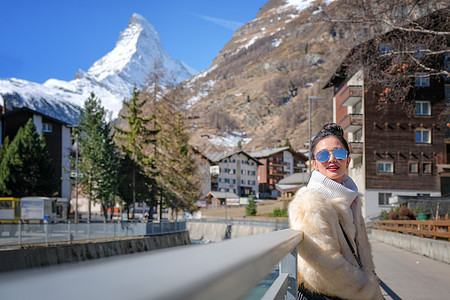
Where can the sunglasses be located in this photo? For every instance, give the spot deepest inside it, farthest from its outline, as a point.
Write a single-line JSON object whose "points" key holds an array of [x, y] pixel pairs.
{"points": [[324, 155]]}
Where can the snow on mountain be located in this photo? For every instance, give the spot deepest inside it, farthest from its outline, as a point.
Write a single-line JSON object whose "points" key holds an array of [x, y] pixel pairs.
{"points": [[111, 78]]}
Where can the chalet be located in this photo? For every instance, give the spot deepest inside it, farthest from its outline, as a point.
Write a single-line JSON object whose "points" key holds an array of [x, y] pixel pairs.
{"points": [[234, 172], [276, 164], [394, 152], [57, 137]]}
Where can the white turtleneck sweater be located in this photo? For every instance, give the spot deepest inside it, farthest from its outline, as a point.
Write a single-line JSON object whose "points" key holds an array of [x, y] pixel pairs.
{"points": [[332, 189]]}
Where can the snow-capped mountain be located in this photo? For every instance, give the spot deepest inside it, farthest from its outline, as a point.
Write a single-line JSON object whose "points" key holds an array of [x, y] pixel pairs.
{"points": [[111, 78]]}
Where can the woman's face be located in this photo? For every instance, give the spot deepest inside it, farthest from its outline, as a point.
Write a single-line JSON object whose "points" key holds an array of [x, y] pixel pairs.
{"points": [[332, 168]]}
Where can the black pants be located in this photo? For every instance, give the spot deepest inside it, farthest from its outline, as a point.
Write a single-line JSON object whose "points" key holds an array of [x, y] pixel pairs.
{"points": [[305, 294]]}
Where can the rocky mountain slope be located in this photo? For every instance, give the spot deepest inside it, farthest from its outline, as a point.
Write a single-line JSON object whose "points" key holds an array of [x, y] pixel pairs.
{"points": [[256, 89]]}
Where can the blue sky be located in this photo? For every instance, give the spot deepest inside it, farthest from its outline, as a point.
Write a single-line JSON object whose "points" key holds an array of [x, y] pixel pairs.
{"points": [[54, 38]]}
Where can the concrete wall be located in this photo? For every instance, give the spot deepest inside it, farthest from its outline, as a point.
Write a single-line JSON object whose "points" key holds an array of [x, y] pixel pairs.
{"points": [[45, 256], [439, 250], [216, 232]]}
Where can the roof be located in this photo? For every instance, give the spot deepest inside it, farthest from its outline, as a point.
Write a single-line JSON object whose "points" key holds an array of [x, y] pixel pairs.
{"points": [[268, 152], [293, 182], [295, 179], [222, 195], [29, 110], [219, 156]]}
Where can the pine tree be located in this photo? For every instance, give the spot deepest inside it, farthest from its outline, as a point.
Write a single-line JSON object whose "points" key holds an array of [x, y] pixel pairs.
{"points": [[142, 185], [174, 156], [98, 158], [26, 168], [250, 209], [133, 141]]}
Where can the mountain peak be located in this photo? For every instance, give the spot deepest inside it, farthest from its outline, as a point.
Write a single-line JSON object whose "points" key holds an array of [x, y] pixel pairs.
{"points": [[111, 78]]}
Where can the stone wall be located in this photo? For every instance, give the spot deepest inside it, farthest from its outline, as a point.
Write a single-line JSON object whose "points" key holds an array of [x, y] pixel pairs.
{"points": [[439, 250], [45, 256], [216, 232]]}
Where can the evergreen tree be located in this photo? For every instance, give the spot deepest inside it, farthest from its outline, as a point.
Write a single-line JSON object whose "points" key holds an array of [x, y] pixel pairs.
{"points": [[142, 185], [26, 168], [287, 143], [175, 158], [250, 209], [133, 140], [3, 148], [98, 160]]}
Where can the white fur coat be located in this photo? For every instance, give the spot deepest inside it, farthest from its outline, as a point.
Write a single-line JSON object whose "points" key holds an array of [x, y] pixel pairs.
{"points": [[325, 261]]}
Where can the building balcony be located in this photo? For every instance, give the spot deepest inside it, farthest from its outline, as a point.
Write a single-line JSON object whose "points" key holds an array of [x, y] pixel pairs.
{"points": [[352, 95], [352, 122], [356, 149], [278, 163], [278, 173]]}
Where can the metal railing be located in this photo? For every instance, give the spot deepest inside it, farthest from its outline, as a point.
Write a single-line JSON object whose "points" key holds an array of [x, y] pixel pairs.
{"points": [[225, 270], [275, 223], [27, 234]]}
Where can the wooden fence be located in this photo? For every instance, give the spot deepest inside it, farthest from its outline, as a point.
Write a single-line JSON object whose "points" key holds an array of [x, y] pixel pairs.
{"points": [[426, 229]]}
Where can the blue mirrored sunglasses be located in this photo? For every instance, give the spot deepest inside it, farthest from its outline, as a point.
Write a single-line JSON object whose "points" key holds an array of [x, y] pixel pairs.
{"points": [[324, 155]]}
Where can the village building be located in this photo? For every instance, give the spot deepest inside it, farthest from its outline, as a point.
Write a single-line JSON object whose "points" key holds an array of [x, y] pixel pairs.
{"points": [[394, 153], [276, 164], [234, 172], [56, 134]]}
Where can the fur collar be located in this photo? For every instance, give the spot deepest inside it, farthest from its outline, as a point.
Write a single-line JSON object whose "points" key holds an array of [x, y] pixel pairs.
{"points": [[341, 197]]}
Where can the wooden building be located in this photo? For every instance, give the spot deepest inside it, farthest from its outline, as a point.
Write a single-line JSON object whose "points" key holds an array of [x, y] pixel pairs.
{"points": [[276, 164], [57, 137], [394, 152]]}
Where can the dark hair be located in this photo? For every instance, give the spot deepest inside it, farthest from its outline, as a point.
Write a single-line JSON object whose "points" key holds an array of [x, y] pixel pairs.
{"points": [[330, 129]]}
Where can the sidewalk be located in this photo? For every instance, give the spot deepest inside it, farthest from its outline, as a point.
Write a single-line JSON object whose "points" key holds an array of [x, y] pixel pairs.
{"points": [[406, 275]]}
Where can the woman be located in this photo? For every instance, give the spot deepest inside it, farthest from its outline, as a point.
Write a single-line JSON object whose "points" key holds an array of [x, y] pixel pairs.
{"points": [[334, 258]]}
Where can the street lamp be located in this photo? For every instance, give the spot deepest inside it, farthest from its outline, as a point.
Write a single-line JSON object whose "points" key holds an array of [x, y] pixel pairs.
{"points": [[309, 129]]}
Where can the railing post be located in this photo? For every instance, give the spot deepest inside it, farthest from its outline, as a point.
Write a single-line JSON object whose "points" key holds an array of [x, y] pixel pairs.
{"points": [[69, 240], [46, 232], [20, 234], [289, 265], [104, 230], [88, 224]]}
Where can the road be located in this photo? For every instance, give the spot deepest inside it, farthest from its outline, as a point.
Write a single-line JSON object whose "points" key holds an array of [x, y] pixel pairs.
{"points": [[406, 275]]}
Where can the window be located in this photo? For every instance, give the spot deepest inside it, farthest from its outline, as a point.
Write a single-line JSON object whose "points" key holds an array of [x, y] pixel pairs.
{"points": [[413, 168], [447, 61], [386, 50], [420, 51], [383, 198], [423, 108], [423, 136], [234, 181], [47, 127], [426, 168], [242, 181], [385, 167], [422, 80], [227, 180]]}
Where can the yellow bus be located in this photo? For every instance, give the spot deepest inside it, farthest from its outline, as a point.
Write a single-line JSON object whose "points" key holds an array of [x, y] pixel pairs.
{"points": [[9, 210]]}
